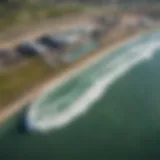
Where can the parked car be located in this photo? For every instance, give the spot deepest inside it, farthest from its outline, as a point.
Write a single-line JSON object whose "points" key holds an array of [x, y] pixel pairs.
{"points": [[30, 48]]}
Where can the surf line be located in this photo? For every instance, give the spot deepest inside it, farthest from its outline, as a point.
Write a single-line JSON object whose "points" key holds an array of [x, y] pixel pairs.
{"points": [[91, 95]]}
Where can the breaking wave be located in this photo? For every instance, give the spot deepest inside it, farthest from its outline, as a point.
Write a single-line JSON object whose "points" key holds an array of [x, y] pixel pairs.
{"points": [[60, 106]]}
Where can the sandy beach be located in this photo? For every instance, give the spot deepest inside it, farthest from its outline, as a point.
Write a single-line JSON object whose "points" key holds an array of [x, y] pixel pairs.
{"points": [[66, 73]]}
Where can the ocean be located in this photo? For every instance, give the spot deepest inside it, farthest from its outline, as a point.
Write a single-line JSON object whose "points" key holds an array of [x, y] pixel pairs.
{"points": [[109, 110]]}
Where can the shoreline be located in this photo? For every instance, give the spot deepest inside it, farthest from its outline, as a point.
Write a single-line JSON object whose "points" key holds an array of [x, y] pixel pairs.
{"points": [[12, 109]]}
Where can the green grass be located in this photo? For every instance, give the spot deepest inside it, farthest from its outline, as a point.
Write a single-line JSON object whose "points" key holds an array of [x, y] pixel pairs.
{"points": [[16, 82], [61, 11], [28, 15]]}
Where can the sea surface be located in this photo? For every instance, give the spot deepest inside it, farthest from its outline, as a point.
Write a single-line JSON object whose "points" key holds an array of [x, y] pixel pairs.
{"points": [[108, 111]]}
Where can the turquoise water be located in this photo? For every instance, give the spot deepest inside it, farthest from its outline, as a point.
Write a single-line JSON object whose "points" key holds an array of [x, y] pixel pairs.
{"points": [[119, 118]]}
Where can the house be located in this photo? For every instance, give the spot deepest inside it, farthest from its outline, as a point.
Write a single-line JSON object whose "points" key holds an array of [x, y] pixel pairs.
{"points": [[33, 48], [29, 48]]}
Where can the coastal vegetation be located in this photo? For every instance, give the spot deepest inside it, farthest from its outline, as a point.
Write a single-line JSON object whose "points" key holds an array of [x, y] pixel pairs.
{"points": [[20, 81], [17, 82], [21, 13]]}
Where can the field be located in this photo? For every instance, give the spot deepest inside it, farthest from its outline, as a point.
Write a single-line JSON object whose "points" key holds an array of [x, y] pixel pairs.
{"points": [[10, 18]]}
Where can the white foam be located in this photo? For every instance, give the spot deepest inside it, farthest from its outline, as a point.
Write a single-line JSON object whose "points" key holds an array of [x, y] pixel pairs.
{"points": [[119, 67]]}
